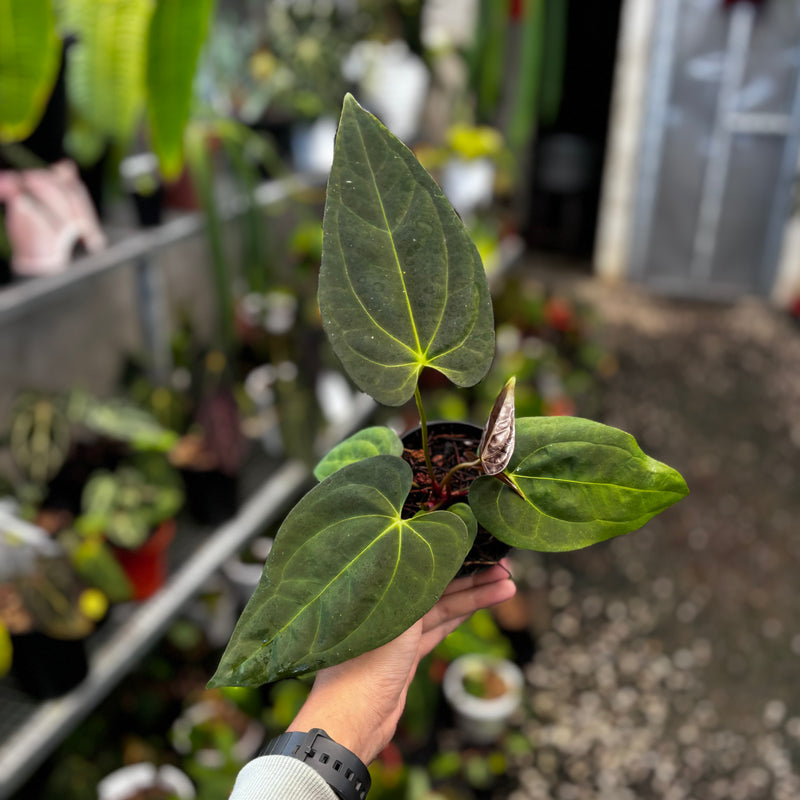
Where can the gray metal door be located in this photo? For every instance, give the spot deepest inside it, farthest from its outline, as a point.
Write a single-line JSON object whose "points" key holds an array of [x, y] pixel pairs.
{"points": [[719, 150]]}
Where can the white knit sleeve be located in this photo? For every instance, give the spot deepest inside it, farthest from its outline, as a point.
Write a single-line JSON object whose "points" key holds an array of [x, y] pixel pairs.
{"points": [[280, 778]]}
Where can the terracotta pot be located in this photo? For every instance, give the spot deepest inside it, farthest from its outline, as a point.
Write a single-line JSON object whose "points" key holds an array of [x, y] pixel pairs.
{"points": [[448, 439], [147, 567]]}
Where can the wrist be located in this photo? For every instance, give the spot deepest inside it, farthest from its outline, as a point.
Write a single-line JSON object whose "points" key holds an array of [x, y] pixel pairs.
{"points": [[346, 723], [342, 770]]}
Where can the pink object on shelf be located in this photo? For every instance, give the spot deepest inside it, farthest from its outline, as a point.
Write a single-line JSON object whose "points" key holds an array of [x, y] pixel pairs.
{"points": [[48, 214], [82, 208]]}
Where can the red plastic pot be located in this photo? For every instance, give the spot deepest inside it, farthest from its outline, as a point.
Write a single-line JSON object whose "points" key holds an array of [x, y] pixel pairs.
{"points": [[147, 567]]}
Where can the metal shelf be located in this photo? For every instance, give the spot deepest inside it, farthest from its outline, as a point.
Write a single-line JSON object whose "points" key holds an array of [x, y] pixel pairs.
{"points": [[46, 724], [19, 297], [35, 730]]}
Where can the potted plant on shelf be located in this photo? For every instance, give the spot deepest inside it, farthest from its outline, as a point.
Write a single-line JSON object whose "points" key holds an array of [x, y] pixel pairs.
{"points": [[370, 549], [146, 780], [484, 691], [49, 614], [214, 732], [209, 455], [39, 442], [133, 508]]}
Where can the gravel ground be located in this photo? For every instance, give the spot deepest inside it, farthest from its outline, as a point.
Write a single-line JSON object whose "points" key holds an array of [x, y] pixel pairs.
{"points": [[667, 662]]}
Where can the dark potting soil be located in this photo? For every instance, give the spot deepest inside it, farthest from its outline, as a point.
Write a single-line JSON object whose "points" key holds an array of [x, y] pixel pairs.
{"points": [[450, 444]]}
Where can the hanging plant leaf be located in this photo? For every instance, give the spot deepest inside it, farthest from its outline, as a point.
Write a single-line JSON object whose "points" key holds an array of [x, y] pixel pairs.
{"points": [[401, 285], [579, 482], [346, 574], [497, 442], [175, 38], [366, 443], [123, 421], [105, 80], [30, 52]]}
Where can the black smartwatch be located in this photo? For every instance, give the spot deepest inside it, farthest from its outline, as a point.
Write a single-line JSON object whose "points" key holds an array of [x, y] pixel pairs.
{"points": [[344, 771]]}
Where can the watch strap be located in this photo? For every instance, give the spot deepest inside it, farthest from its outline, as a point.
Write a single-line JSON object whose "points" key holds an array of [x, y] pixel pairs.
{"points": [[344, 771]]}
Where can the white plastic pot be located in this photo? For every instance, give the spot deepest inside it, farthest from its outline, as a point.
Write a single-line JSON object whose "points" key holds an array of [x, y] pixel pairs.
{"points": [[482, 720], [312, 145], [243, 749], [134, 778], [469, 184]]}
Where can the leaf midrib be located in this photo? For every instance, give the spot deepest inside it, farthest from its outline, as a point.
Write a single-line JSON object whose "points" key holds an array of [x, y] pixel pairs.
{"points": [[595, 483], [543, 514], [391, 240], [609, 445]]}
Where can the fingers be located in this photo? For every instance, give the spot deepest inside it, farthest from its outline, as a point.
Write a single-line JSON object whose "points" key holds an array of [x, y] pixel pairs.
{"points": [[465, 601], [497, 572], [434, 636], [462, 598]]}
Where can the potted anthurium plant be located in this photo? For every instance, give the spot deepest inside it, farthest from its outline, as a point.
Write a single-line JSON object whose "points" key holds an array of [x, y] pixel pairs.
{"points": [[370, 549]]}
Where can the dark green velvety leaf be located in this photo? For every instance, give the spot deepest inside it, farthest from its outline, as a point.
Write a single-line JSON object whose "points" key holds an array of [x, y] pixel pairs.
{"points": [[401, 284], [465, 512], [345, 575], [375, 441], [582, 482]]}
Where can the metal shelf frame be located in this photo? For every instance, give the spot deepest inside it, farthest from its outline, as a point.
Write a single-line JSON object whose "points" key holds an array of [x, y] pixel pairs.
{"points": [[53, 720], [19, 298], [48, 723]]}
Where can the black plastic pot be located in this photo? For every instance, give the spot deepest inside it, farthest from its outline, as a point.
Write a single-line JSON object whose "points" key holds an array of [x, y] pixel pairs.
{"points": [[212, 496], [458, 441], [65, 489], [149, 207], [46, 667], [5, 267]]}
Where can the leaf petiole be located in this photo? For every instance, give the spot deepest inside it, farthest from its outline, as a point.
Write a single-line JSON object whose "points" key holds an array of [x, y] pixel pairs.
{"points": [[463, 465], [423, 425], [504, 478]]}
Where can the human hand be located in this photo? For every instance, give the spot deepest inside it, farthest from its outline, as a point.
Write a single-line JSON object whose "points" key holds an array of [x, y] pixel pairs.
{"points": [[359, 702]]}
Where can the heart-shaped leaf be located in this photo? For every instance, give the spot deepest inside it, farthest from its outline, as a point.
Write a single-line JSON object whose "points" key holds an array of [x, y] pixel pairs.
{"points": [[345, 575], [497, 441], [580, 482], [401, 285], [465, 512], [366, 443]]}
